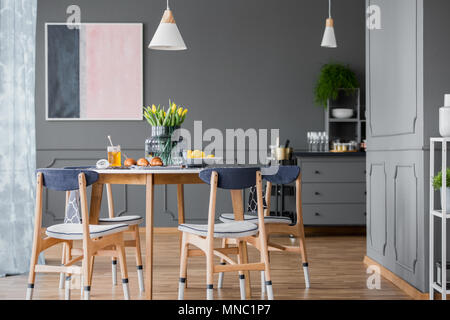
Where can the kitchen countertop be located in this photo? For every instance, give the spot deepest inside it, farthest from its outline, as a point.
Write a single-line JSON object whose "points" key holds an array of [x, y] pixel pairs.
{"points": [[306, 153]]}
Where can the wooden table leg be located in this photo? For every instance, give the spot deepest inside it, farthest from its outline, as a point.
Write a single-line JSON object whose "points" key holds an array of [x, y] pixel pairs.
{"points": [[96, 203], [149, 237], [180, 204], [238, 210], [180, 201]]}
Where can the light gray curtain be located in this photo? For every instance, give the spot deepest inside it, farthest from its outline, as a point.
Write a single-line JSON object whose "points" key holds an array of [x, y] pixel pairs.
{"points": [[17, 133]]}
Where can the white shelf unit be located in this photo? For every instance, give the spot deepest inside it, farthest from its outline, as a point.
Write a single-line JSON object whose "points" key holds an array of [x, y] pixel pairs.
{"points": [[335, 127], [441, 215]]}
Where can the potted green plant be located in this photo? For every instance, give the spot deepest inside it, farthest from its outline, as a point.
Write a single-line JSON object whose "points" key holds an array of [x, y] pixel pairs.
{"points": [[332, 78], [437, 184], [164, 121]]}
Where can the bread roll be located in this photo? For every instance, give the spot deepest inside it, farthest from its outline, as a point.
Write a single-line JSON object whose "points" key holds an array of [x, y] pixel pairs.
{"points": [[129, 162], [156, 161], [142, 162]]}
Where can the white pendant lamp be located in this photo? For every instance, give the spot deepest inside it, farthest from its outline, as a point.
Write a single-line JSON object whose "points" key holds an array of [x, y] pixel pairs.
{"points": [[167, 36], [329, 39]]}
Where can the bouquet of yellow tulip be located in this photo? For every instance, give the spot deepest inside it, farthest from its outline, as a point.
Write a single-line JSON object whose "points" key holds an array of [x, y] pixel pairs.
{"points": [[172, 117]]}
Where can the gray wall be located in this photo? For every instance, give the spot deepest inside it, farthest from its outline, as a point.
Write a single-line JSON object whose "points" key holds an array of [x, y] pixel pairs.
{"points": [[249, 64]]}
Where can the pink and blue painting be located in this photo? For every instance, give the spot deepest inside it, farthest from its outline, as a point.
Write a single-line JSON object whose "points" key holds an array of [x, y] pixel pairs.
{"points": [[94, 71]]}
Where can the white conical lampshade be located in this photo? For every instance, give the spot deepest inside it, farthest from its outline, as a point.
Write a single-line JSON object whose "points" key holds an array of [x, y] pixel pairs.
{"points": [[329, 39], [167, 36]]}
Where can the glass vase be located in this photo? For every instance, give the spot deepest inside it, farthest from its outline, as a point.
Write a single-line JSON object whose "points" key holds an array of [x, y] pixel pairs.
{"points": [[161, 143]]}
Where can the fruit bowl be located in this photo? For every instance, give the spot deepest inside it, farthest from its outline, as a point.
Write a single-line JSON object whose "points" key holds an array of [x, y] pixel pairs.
{"points": [[342, 113]]}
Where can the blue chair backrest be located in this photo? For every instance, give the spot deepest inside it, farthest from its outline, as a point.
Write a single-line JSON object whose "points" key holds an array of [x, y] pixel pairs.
{"points": [[284, 175], [231, 178], [66, 179]]}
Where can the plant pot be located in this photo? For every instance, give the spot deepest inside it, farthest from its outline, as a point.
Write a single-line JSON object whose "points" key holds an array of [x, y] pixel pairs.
{"points": [[448, 199], [444, 121]]}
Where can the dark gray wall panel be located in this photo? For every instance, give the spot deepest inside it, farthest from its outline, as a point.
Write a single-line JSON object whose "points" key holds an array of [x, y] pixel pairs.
{"points": [[63, 72], [436, 63]]}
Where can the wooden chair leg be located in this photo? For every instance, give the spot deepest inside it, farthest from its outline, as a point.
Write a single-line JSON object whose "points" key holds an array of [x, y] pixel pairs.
{"points": [[209, 276], [183, 267], [248, 291], [265, 259], [86, 277], [123, 270], [62, 275], [304, 258], [91, 268], [222, 262], [114, 271], [263, 284], [32, 274], [67, 257], [241, 273], [139, 259]]}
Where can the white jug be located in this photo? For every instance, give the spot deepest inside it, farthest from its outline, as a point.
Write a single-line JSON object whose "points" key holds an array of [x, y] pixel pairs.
{"points": [[444, 117]]}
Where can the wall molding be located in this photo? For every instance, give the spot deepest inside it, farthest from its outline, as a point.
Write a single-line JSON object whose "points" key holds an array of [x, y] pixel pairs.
{"points": [[383, 250], [411, 268], [413, 122]]}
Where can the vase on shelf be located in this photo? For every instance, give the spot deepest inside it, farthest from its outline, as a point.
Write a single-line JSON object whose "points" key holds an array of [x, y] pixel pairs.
{"points": [[444, 118]]}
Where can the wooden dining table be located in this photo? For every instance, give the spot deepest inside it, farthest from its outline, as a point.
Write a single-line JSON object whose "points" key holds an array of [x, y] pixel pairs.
{"points": [[149, 178]]}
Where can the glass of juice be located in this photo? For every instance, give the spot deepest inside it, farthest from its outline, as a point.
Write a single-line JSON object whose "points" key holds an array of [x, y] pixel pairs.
{"points": [[114, 156]]}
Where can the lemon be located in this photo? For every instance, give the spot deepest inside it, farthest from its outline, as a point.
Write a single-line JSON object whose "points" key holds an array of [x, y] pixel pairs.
{"points": [[198, 154]]}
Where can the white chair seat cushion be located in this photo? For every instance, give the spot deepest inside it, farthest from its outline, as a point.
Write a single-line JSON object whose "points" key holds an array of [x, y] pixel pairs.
{"points": [[228, 217], [235, 229], [128, 220], [74, 231]]}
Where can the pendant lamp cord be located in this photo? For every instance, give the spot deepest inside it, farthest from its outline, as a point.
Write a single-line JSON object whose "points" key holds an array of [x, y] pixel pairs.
{"points": [[168, 5], [329, 8]]}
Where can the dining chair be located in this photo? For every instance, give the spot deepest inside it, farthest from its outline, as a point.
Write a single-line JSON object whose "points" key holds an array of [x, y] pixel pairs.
{"points": [[278, 224], [202, 235], [95, 238], [133, 222]]}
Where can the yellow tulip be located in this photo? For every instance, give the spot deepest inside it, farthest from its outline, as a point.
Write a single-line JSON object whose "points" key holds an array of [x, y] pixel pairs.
{"points": [[184, 112], [164, 113], [174, 106], [153, 108], [180, 111]]}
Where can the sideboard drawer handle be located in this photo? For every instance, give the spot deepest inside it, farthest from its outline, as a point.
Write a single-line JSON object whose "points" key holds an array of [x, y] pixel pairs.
{"points": [[317, 172], [317, 214], [317, 193], [365, 214]]}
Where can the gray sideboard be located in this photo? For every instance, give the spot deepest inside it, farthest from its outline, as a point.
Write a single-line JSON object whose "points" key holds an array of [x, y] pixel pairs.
{"points": [[333, 188]]}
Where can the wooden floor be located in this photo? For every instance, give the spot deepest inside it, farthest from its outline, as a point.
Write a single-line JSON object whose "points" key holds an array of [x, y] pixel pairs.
{"points": [[336, 268]]}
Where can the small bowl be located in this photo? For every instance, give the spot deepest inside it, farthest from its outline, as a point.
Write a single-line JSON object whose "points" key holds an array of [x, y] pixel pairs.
{"points": [[342, 113]]}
